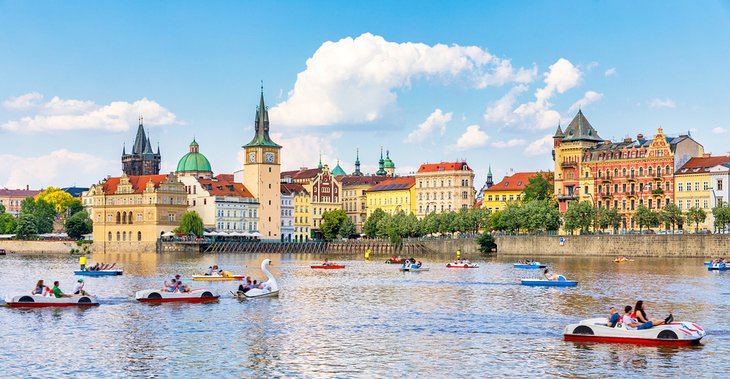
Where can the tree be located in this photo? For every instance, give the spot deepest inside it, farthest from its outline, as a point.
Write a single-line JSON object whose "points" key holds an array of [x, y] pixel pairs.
{"points": [[696, 216], [191, 223], [579, 216], [58, 198], [486, 242], [497, 221], [42, 212], [74, 207], [606, 218], [538, 187], [671, 215], [370, 228], [331, 223], [7, 222], [26, 228], [645, 217], [78, 225], [722, 216]]}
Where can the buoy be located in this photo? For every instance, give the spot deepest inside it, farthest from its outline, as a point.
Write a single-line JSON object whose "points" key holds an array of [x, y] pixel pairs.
{"points": [[82, 262], [458, 254]]}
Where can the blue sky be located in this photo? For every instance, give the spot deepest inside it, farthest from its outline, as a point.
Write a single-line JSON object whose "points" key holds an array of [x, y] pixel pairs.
{"points": [[429, 81]]}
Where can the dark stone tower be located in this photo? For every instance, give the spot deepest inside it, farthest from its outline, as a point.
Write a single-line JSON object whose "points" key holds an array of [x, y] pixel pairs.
{"points": [[142, 160]]}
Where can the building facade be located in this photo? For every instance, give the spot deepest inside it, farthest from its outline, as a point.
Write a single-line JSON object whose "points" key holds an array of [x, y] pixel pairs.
{"points": [[224, 206], [131, 212], [261, 174], [392, 196], [324, 190], [11, 199], [443, 187], [509, 190], [142, 160], [287, 212], [702, 183], [302, 227], [354, 197]]}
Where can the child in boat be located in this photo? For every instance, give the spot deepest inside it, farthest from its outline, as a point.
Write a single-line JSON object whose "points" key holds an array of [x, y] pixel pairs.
{"points": [[182, 287], [209, 272], [170, 287], [79, 288], [40, 288]]}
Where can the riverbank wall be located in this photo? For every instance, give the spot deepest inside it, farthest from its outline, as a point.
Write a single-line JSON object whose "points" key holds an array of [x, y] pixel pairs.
{"points": [[38, 247], [669, 245]]}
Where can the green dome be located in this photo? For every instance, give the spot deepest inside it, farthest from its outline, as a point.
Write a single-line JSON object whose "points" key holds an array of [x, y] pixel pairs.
{"points": [[388, 163], [193, 162]]}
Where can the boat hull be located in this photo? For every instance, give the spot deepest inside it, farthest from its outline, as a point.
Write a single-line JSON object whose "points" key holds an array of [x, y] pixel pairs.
{"points": [[413, 269], [328, 267], [194, 296], [596, 330], [462, 266], [38, 301], [718, 267], [638, 341], [548, 283], [530, 266], [100, 273], [213, 278]]}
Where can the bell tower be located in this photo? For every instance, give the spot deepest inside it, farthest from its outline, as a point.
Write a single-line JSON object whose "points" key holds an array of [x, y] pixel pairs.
{"points": [[261, 174]]}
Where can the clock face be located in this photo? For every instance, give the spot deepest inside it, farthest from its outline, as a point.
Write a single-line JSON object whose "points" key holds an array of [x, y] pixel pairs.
{"points": [[252, 157], [269, 157]]}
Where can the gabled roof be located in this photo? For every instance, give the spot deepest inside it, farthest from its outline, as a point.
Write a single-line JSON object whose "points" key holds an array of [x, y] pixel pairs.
{"points": [[292, 188], [699, 165], [515, 182], [305, 173], [4, 192], [352, 180], [139, 183], [394, 184], [219, 186], [443, 166], [581, 130]]}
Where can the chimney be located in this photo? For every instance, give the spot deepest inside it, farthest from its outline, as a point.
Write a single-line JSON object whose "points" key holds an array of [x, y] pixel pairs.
{"points": [[627, 140]]}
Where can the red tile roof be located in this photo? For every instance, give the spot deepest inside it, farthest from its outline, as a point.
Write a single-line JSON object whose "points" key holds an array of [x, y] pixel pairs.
{"points": [[289, 188], [306, 173], [515, 182], [139, 183], [702, 164], [443, 166], [4, 192], [349, 180], [218, 187], [394, 184]]}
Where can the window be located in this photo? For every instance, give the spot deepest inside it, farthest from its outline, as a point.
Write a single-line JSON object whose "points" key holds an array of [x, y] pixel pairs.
{"points": [[705, 186], [679, 187], [697, 203], [697, 186], [679, 205], [118, 236], [666, 170], [719, 185], [704, 204], [689, 186], [689, 203], [110, 236]]}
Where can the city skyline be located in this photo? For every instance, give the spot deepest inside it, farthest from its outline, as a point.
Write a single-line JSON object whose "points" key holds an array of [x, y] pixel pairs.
{"points": [[476, 84]]}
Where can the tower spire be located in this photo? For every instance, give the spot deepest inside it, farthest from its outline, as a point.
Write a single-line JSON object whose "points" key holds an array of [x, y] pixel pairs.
{"points": [[357, 163]]}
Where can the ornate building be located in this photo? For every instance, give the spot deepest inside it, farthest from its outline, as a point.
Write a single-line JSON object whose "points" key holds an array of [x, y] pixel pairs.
{"points": [[381, 165], [487, 185], [261, 174], [357, 171], [324, 189], [11, 198], [445, 186], [194, 163], [619, 175], [142, 160]]}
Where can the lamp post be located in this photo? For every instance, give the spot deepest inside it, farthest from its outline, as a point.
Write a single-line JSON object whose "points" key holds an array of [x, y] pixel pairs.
{"points": [[593, 201]]}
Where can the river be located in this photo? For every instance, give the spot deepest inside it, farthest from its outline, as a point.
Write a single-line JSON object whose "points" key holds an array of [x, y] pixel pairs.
{"points": [[367, 321]]}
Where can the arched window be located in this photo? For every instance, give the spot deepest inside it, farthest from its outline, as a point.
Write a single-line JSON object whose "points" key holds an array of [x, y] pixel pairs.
{"points": [[129, 218], [666, 170], [124, 236], [615, 172], [110, 236], [119, 218], [139, 236], [650, 171], [124, 217], [118, 236], [623, 172], [641, 171]]}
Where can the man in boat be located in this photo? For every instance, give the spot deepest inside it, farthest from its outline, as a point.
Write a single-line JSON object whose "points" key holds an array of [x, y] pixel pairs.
{"points": [[209, 272], [79, 288], [613, 317], [57, 291]]}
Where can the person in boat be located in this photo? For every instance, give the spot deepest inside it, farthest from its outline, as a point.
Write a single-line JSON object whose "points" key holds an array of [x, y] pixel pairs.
{"points": [[627, 320], [40, 288], [550, 276], [57, 291], [170, 287], [326, 262], [613, 317], [646, 322], [418, 265], [182, 287], [209, 272], [243, 288], [79, 288]]}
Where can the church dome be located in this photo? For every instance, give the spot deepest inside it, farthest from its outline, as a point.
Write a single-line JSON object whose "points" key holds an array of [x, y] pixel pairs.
{"points": [[388, 163], [193, 161]]}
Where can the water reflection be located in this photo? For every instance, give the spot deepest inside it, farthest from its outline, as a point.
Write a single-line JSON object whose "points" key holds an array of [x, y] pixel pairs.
{"points": [[369, 320]]}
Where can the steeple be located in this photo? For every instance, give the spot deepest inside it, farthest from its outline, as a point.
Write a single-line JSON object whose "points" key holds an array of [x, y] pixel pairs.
{"points": [[357, 164], [320, 160], [148, 147], [490, 182], [261, 125], [381, 164], [140, 140], [124, 149], [559, 132]]}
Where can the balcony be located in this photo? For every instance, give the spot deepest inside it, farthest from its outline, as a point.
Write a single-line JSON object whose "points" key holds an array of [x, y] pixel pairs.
{"points": [[569, 165], [606, 195], [658, 192], [567, 197], [631, 178], [631, 193], [606, 179], [657, 177]]}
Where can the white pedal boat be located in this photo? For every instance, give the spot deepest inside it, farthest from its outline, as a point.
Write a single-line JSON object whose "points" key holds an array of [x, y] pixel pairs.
{"points": [[51, 301], [414, 269], [462, 265], [596, 330], [270, 287], [199, 295]]}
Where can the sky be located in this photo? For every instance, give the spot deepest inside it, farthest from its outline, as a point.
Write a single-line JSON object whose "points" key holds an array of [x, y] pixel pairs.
{"points": [[487, 82]]}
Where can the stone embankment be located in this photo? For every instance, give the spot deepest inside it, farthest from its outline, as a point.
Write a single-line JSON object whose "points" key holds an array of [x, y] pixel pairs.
{"points": [[38, 247]]}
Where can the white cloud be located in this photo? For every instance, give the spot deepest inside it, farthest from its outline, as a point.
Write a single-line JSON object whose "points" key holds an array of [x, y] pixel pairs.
{"points": [[588, 98], [353, 80], [511, 143], [538, 114], [592, 65], [719, 130], [662, 103], [23, 102], [59, 168], [472, 137], [610, 72], [436, 120], [541, 146], [67, 115]]}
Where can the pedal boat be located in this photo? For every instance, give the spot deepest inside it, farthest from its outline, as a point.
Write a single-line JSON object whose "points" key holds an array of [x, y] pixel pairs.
{"points": [[33, 301], [533, 265], [462, 265], [99, 272], [561, 282], [328, 267], [395, 260], [622, 260], [199, 295], [212, 278], [270, 287], [413, 269], [673, 334]]}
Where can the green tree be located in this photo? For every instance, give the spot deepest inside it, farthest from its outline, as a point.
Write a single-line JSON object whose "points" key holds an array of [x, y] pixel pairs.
{"points": [[671, 215], [42, 212], [58, 198], [331, 222], [539, 187], [191, 223], [347, 228], [7, 222], [74, 207], [722, 216], [579, 216], [608, 218], [370, 228], [486, 242], [695, 216], [643, 217], [497, 221], [78, 225], [26, 228]]}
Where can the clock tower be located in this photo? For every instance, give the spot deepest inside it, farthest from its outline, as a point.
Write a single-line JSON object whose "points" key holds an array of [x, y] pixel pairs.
{"points": [[261, 174]]}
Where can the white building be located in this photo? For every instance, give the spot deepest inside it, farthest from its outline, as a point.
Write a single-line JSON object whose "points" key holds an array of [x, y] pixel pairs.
{"points": [[719, 187], [224, 205], [287, 212]]}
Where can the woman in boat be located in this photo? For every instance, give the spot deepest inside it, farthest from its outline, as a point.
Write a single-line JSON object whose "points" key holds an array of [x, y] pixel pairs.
{"points": [[646, 323], [40, 288], [550, 276]]}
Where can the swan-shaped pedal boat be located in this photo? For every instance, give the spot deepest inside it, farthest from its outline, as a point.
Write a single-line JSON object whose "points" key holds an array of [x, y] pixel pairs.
{"points": [[533, 265], [211, 278], [51, 301], [596, 330], [462, 265], [199, 295], [99, 272], [328, 267], [561, 282], [270, 288]]}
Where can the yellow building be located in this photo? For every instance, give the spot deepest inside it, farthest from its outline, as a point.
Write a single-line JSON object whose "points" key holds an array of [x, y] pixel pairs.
{"points": [[509, 190], [392, 196], [261, 175], [301, 212], [354, 199], [324, 192], [131, 212], [696, 186]]}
